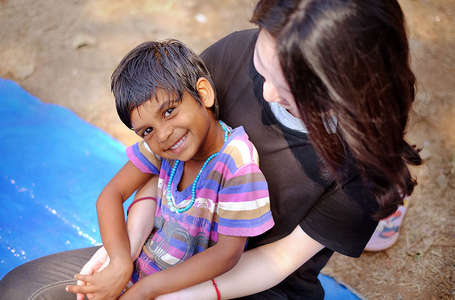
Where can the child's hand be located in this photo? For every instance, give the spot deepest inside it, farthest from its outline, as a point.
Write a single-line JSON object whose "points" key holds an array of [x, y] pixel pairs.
{"points": [[106, 284]]}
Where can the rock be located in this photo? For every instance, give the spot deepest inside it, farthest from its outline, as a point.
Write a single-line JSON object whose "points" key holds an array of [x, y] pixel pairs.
{"points": [[82, 40], [425, 153], [442, 181], [201, 18], [23, 71], [422, 104], [17, 62]]}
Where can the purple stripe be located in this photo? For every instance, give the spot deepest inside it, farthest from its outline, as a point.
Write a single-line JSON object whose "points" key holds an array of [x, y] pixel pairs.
{"points": [[203, 223], [256, 222], [228, 162], [138, 154], [210, 185], [136, 162], [246, 231]]}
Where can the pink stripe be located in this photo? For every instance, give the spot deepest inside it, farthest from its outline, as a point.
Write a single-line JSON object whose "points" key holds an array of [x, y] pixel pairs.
{"points": [[214, 236], [206, 193], [136, 161], [144, 264], [175, 252], [246, 231], [243, 197], [195, 230], [248, 169]]}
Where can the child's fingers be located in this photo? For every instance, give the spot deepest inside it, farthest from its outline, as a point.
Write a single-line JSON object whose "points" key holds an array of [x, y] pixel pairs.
{"points": [[80, 296], [80, 289], [83, 277], [80, 282]]}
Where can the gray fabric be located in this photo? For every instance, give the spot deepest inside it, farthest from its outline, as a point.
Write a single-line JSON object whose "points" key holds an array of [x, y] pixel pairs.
{"points": [[288, 120], [285, 118], [46, 277]]}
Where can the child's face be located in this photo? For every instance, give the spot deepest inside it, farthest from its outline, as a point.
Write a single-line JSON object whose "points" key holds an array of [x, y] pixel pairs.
{"points": [[175, 130]]}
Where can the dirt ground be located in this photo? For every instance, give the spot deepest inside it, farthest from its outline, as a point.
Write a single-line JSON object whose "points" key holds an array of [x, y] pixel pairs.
{"points": [[65, 51]]}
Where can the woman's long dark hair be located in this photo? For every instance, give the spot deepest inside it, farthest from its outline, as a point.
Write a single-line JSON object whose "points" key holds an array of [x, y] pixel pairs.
{"points": [[349, 59]]}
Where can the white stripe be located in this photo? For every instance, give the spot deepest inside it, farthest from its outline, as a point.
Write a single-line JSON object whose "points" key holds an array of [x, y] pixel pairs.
{"points": [[160, 184], [205, 203], [247, 205], [172, 260], [242, 147], [255, 156]]}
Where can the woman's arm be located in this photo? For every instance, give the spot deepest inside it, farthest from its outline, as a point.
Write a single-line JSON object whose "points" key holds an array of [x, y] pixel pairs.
{"points": [[203, 266], [141, 216], [258, 269]]}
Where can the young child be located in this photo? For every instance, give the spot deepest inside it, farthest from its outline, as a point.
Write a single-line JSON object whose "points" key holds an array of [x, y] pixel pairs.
{"points": [[210, 194]]}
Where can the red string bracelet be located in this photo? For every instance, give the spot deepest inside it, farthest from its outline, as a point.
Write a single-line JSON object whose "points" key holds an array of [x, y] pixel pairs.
{"points": [[218, 294], [139, 199]]}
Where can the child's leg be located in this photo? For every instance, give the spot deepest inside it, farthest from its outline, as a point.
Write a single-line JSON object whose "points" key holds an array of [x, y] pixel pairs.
{"points": [[141, 216]]}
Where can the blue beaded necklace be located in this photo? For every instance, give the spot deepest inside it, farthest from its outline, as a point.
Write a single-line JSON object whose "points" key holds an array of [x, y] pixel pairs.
{"points": [[172, 204]]}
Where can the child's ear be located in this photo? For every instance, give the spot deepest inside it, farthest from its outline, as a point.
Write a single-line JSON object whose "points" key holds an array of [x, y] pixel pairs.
{"points": [[206, 92]]}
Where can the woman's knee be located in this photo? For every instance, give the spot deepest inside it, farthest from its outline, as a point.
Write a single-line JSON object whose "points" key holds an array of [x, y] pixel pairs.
{"points": [[45, 277]]}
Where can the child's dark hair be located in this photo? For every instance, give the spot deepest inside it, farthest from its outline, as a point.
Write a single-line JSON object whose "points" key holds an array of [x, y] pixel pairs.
{"points": [[167, 65]]}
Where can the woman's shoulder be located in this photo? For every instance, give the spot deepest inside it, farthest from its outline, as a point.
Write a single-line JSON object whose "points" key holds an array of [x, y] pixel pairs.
{"points": [[229, 49], [233, 40]]}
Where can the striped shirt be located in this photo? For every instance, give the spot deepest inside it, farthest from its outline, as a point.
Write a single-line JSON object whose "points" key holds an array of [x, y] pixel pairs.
{"points": [[231, 199]]}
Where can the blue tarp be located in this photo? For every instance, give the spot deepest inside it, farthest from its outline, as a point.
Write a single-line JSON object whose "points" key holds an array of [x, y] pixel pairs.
{"points": [[53, 167]]}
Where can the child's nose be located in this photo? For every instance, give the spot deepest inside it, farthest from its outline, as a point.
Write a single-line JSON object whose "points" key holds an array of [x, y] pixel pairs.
{"points": [[164, 133]]}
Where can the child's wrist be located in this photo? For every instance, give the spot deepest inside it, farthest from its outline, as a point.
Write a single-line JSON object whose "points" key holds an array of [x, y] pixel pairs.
{"points": [[122, 263]]}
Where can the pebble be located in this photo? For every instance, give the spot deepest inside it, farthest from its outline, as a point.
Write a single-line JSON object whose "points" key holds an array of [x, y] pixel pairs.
{"points": [[201, 18], [425, 153], [442, 181], [82, 40]]}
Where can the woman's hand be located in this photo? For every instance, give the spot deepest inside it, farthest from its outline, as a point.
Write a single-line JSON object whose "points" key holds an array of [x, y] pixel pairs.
{"points": [[106, 284], [96, 263]]}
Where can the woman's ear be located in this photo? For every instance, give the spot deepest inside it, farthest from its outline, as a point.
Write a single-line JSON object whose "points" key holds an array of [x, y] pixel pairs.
{"points": [[206, 92]]}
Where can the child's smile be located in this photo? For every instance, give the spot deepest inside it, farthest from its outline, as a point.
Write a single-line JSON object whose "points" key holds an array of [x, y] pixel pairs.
{"points": [[178, 144]]}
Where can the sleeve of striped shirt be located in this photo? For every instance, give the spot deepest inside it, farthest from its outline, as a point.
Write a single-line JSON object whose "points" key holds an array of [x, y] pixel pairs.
{"points": [[143, 158], [243, 203]]}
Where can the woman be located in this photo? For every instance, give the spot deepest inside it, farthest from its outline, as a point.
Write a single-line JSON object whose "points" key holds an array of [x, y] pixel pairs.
{"points": [[341, 67], [324, 90]]}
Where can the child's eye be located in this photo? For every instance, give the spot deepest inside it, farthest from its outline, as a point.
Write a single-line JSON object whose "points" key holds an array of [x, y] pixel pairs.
{"points": [[168, 111], [147, 131]]}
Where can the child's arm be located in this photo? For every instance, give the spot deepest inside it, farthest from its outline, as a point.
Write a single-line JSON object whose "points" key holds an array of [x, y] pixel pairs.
{"points": [[203, 266], [139, 224], [110, 282]]}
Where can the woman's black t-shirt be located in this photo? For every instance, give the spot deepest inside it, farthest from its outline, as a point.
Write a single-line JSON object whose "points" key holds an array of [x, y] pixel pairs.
{"points": [[338, 215]]}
